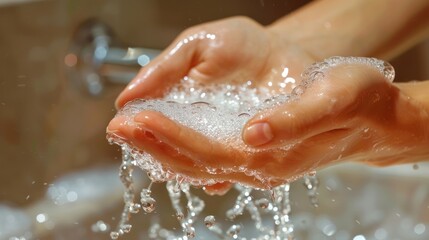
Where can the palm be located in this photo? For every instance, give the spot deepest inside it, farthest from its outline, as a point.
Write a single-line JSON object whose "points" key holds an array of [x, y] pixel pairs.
{"points": [[350, 122], [237, 50], [231, 51]]}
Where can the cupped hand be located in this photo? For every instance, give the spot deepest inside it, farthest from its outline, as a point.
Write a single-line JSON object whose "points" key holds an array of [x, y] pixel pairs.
{"points": [[352, 114], [234, 50]]}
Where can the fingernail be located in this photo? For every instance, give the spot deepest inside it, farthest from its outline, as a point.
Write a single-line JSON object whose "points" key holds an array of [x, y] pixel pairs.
{"points": [[115, 124], [115, 129], [258, 134], [119, 102], [117, 105]]}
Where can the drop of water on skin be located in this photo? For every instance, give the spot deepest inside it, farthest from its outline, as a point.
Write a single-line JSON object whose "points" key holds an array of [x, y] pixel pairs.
{"points": [[209, 221], [388, 71], [298, 90], [312, 173]]}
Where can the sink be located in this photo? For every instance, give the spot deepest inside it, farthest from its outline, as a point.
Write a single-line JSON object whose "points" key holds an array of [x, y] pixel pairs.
{"points": [[51, 133]]}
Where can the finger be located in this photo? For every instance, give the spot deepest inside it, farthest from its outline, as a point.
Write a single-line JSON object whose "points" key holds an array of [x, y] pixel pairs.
{"points": [[290, 122], [142, 139], [328, 104], [195, 145], [145, 140], [220, 188], [172, 159], [169, 67]]}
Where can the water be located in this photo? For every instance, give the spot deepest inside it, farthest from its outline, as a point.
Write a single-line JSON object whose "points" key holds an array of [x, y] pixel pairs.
{"points": [[219, 112]]}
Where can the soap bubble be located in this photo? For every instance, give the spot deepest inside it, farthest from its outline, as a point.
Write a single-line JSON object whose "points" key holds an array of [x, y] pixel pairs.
{"points": [[219, 112]]}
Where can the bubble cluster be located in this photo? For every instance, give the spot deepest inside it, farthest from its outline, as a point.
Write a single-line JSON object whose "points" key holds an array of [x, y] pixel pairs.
{"points": [[317, 70], [218, 111]]}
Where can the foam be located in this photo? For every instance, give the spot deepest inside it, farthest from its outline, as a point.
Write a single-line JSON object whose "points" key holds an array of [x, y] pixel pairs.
{"points": [[219, 111]]}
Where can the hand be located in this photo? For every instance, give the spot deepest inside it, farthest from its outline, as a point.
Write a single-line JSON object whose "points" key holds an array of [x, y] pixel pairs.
{"points": [[352, 114], [234, 50]]}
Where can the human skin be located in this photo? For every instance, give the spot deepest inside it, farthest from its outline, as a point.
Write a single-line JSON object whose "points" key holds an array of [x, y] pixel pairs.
{"points": [[388, 129]]}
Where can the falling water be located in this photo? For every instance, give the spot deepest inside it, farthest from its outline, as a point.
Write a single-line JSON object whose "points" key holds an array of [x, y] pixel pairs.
{"points": [[218, 112]]}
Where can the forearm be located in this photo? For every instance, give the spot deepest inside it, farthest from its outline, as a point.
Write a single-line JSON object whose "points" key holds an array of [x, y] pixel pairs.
{"points": [[381, 28]]}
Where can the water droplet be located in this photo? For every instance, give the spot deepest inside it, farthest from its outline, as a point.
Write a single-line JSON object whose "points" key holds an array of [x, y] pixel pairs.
{"points": [[231, 214], [100, 226], [262, 203], [180, 216], [201, 104], [145, 192], [268, 101], [209, 221], [135, 208], [243, 115], [114, 235], [148, 204], [298, 90], [315, 76], [420, 228], [190, 232], [311, 173], [233, 231], [126, 228], [388, 71]]}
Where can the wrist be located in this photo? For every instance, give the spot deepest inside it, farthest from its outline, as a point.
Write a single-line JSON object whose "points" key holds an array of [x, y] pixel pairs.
{"points": [[417, 90]]}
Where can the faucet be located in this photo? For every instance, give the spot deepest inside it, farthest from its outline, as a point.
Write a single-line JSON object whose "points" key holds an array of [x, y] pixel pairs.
{"points": [[95, 58]]}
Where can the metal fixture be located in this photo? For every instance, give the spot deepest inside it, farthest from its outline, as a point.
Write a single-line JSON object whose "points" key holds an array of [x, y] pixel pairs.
{"points": [[95, 58]]}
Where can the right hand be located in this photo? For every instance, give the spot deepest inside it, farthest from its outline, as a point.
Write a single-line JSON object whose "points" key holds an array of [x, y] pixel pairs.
{"points": [[231, 51]]}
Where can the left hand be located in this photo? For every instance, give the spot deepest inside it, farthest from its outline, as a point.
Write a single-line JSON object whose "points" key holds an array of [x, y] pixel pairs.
{"points": [[352, 114]]}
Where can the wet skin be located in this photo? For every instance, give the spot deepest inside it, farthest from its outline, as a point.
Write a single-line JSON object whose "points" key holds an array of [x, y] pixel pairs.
{"points": [[359, 116]]}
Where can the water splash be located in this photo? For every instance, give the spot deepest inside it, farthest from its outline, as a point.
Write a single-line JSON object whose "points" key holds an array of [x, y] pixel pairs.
{"points": [[219, 112]]}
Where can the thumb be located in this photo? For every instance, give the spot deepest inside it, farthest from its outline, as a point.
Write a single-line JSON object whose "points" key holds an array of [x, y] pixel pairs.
{"points": [[291, 122], [329, 103], [169, 67]]}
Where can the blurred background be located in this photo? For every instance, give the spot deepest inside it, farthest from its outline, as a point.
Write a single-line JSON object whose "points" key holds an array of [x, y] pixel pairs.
{"points": [[52, 128]]}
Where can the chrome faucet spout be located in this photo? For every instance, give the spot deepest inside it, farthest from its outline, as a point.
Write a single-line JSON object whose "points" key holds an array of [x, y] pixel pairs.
{"points": [[96, 58]]}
